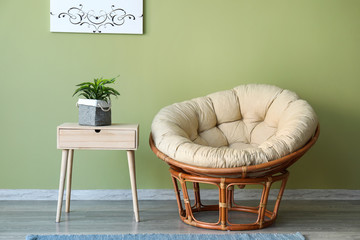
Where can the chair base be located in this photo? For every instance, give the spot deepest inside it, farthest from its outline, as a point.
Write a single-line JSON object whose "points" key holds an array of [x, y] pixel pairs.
{"points": [[226, 204]]}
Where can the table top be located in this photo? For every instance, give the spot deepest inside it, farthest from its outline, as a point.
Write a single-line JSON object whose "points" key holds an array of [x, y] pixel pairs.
{"points": [[123, 126]]}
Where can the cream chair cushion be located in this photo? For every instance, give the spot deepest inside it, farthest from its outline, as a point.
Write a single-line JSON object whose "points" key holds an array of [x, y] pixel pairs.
{"points": [[250, 124]]}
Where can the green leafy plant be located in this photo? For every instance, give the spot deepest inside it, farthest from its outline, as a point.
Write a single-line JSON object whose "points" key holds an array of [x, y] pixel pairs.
{"points": [[97, 89]]}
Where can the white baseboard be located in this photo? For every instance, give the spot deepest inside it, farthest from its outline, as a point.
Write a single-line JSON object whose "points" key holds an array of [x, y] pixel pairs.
{"points": [[168, 194]]}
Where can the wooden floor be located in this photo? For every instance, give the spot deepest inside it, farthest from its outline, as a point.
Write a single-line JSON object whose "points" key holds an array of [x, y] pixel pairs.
{"points": [[314, 219]]}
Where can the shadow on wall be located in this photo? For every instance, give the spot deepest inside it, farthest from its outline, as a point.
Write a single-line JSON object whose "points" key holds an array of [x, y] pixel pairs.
{"points": [[333, 161]]}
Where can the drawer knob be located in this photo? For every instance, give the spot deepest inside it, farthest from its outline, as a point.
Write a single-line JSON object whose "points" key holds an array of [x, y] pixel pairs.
{"points": [[97, 130]]}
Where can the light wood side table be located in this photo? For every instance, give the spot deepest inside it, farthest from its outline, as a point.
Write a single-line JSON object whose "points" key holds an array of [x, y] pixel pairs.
{"points": [[71, 136]]}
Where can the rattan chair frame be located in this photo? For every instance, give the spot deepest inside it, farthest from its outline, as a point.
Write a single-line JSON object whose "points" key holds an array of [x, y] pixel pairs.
{"points": [[225, 179]]}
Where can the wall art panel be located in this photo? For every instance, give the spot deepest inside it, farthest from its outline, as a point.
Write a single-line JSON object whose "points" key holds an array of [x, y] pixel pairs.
{"points": [[97, 16]]}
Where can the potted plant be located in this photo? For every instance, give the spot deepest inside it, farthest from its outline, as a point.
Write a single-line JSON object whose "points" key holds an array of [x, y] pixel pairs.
{"points": [[95, 109]]}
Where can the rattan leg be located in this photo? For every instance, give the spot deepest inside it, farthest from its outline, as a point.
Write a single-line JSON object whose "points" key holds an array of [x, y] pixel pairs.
{"points": [[178, 198], [197, 204], [263, 203], [280, 194], [189, 216], [223, 204], [230, 197]]}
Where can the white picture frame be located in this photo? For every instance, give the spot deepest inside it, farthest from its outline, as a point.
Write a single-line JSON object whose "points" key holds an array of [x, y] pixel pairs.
{"points": [[97, 16]]}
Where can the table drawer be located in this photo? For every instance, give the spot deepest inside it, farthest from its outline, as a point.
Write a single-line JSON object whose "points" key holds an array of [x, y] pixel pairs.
{"points": [[96, 139]]}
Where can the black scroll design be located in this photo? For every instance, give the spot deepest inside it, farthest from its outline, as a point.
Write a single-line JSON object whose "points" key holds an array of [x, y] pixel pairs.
{"points": [[114, 18]]}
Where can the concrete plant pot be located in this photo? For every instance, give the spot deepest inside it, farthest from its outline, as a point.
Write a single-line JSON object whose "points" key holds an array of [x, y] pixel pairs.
{"points": [[94, 112]]}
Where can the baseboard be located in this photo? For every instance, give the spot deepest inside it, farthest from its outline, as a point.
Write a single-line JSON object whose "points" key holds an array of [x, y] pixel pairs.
{"points": [[168, 194]]}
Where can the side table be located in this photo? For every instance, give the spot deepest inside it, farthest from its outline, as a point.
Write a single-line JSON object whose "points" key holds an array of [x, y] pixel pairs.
{"points": [[71, 136]]}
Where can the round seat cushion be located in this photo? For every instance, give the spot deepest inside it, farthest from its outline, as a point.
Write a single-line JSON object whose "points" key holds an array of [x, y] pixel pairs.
{"points": [[248, 125]]}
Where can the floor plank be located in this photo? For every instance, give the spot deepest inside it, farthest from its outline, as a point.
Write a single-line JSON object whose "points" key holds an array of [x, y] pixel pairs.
{"points": [[314, 219]]}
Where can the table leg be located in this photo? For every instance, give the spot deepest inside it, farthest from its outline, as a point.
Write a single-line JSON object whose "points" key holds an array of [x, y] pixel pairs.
{"points": [[131, 161], [64, 159], [68, 180]]}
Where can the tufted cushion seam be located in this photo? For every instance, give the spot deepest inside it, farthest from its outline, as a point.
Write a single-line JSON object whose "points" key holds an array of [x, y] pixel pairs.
{"points": [[251, 131], [287, 107], [227, 141], [195, 152], [198, 137], [238, 102], [237, 121], [267, 109], [177, 148], [187, 134], [213, 108], [272, 101]]}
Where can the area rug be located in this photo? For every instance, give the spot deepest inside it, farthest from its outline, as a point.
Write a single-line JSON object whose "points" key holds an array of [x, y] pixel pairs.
{"points": [[158, 236]]}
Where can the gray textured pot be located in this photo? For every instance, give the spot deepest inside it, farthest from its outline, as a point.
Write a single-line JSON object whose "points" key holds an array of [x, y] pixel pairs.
{"points": [[94, 112]]}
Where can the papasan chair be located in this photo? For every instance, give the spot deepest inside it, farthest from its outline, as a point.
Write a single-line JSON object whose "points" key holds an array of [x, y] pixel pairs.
{"points": [[248, 135]]}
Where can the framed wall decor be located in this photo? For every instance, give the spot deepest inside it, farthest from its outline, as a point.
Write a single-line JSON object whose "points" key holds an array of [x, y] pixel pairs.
{"points": [[97, 16]]}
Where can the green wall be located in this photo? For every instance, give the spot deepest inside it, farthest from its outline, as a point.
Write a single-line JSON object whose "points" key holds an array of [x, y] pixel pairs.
{"points": [[189, 49]]}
